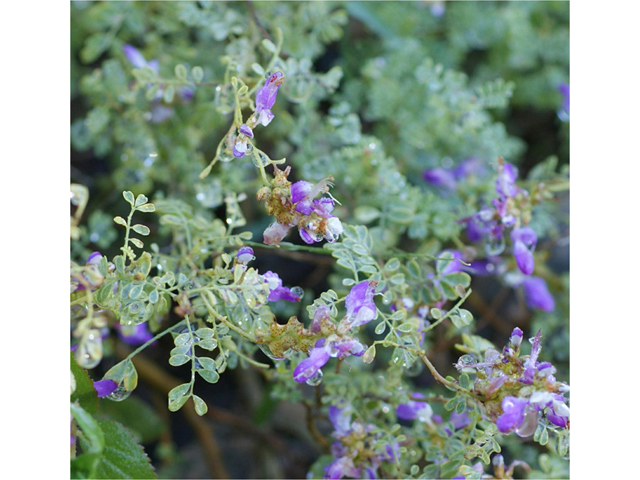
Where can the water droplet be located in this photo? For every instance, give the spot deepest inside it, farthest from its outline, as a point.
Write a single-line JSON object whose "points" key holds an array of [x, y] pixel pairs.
{"points": [[261, 161], [494, 246], [467, 361], [267, 351], [529, 424], [225, 157], [89, 352], [119, 394], [316, 379], [297, 291]]}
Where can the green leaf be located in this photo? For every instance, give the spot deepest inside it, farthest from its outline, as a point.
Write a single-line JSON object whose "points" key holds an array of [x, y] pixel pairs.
{"points": [[181, 71], [120, 221], [369, 354], [130, 376], [392, 265], [268, 45], [84, 393], [94, 46], [169, 93], [128, 196], [178, 360], [210, 376], [197, 73], [178, 396], [93, 443], [406, 327], [122, 456], [147, 207], [141, 229], [461, 317], [201, 406], [137, 242]]}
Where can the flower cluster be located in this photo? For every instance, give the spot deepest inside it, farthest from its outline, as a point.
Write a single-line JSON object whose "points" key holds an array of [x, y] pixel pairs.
{"points": [[360, 310], [511, 209], [296, 205], [265, 100], [357, 452], [517, 390], [276, 290]]}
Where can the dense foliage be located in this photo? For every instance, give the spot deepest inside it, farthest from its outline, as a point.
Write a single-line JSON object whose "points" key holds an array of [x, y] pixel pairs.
{"points": [[334, 232]]}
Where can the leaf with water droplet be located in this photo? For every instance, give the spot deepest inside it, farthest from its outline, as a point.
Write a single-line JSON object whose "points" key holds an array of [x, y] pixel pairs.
{"points": [[380, 328], [178, 396], [369, 354]]}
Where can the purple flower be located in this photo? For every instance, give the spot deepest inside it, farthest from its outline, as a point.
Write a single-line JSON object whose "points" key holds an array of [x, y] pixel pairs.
{"points": [[137, 59], [460, 420], [342, 467], [341, 420], [557, 411], [537, 295], [94, 258], [452, 265], [353, 436], [318, 358], [513, 413], [135, 334], [246, 130], [415, 409], [245, 255], [468, 167], [524, 241], [506, 181], [361, 308], [277, 291], [321, 313], [266, 98], [440, 178], [239, 148], [104, 387], [531, 363]]}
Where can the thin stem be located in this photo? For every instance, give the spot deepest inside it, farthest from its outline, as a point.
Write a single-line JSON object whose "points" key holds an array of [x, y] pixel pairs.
{"points": [[158, 336], [448, 314], [292, 247], [224, 320], [193, 355], [444, 381]]}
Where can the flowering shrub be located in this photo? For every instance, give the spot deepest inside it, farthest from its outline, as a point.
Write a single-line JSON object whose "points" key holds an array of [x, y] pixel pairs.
{"points": [[308, 226]]}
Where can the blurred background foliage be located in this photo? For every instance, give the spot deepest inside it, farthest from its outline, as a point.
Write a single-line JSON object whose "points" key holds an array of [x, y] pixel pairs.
{"points": [[375, 93]]}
